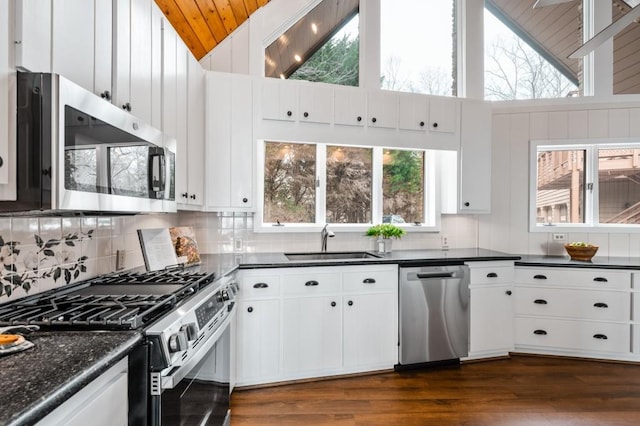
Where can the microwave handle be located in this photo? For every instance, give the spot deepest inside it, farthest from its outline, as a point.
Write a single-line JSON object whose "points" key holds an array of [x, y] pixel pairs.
{"points": [[157, 168]]}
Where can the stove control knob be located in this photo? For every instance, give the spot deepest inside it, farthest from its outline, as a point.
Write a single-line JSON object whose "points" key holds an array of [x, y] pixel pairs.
{"points": [[190, 330], [178, 342], [225, 295]]}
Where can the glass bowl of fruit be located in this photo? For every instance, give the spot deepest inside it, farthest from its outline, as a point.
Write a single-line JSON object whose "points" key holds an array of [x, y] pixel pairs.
{"points": [[581, 251]]}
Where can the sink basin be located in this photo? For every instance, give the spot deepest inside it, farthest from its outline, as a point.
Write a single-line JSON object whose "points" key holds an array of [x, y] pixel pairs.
{"points": [[332, 255]]}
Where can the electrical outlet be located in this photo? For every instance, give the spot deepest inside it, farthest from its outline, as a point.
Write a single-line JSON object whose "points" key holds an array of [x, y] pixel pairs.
{"points": [[120, 259], [444, 240], [559, 237], [238, 244]]}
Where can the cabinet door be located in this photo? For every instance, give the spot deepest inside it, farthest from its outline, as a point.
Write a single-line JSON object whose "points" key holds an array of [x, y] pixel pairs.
{"points": [[103, 52], [475, 158], [370, 331], [279, 99], [311, 335], [218, 136], [413, 111], [491, 321], [382, 109], [169, 80], [242, 143], [33, 35], [141, 48], [121, 52], [73, 41], [349, 106], [156, 66], [314, 103], [182, 188], [195, 131], [5, 73], [443, 114], [258, 341]]}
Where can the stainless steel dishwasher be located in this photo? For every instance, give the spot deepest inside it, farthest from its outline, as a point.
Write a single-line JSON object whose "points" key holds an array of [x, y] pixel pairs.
{"points": [[434, 315]]}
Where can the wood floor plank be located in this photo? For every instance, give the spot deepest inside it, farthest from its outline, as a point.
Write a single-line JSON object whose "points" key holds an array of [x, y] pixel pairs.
{"points": [[522, 390]]}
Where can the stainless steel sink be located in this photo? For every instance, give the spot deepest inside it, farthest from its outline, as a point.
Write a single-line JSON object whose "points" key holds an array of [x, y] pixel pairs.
{"points": [[332, 255]]}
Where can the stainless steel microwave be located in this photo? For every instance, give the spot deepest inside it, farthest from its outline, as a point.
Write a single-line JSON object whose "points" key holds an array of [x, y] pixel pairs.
{"points": [[77, 152]]}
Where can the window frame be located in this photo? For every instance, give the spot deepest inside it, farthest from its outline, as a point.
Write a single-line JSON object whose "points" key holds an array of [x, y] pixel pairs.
{"points": [[591, 196], [431, 192]]}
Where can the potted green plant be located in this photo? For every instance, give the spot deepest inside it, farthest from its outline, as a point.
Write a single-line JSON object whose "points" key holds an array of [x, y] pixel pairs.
{"points": [[385, 232]]}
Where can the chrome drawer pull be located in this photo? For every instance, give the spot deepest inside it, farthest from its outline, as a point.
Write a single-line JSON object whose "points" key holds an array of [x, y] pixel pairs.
{"points": [[601, 279], [369, 281], [311, 283], [260, 285], [492, 275], [540, 332], [540, 302], [600, 305], [539, 277], [600, 336]]}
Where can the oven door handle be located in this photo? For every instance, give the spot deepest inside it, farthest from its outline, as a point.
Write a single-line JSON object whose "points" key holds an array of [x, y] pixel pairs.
{"points": [[171, 380]]}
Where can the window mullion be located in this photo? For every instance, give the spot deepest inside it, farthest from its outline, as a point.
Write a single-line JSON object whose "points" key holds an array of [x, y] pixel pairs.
{"points": [[321, 184], [591, 187], [376, 186]]}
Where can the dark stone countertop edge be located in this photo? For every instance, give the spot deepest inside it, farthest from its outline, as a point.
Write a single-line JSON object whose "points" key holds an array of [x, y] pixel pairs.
{"points": [[77, 383], [399, 262]]}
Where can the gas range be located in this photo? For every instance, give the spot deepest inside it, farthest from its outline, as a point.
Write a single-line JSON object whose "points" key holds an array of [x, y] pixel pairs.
{"points": [[120, 301]]}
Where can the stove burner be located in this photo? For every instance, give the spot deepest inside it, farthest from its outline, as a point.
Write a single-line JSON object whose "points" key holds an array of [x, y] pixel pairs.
{"points": [[119, 301]]}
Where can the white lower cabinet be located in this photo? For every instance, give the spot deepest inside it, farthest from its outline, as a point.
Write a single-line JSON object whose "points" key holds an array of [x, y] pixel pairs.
{"points": [[491, 309], [303, 322], [258, 341], [103, 402], [582, 312]]}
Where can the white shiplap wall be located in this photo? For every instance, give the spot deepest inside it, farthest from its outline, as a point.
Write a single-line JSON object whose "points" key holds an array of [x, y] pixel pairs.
{"points": [[514, 125]]}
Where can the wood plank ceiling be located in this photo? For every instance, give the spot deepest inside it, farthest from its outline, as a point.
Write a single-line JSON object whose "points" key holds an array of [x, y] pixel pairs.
{"points": [[203, 24]]}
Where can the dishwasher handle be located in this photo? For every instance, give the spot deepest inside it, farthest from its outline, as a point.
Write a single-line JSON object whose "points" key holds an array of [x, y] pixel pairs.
{"points": [[434, 275]]}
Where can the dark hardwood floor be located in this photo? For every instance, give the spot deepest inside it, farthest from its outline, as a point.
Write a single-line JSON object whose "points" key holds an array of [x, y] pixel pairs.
{"points": [[523, 390]]}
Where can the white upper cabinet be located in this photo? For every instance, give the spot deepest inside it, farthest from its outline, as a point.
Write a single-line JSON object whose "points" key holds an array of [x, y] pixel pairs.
{"points": [[81, 43], [443, 114], [32, 36], [137, 59], [169, 80], [475, 158], [349, 106], [382, 109], [413, 111], [195, 131], [315, 101], [230, 147], [182, 154], [279, 99]]}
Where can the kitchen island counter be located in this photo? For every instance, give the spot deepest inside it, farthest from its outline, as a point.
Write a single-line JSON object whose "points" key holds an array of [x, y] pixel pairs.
{"points": [[61, 363]]}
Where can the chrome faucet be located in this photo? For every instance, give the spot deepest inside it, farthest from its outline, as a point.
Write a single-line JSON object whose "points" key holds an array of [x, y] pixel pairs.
{"points": [[324, 234]]}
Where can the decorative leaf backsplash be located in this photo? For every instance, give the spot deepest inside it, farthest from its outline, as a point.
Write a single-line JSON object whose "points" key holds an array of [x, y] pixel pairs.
{"points": [[54, 258]]}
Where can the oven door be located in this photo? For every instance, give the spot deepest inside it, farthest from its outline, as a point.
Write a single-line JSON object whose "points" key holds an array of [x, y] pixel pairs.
{"points": [[198, 393]]}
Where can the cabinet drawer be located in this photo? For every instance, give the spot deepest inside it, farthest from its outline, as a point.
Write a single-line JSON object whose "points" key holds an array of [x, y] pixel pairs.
{"points": [[574, 277], [568, 334], [255, 286], [497, 275], [578, 303], [370, 280], [311, 283]]}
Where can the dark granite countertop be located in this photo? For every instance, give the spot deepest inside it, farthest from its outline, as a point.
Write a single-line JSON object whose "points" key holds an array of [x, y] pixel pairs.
{"points": [[602, 262], [36, 381], [226, 263]]}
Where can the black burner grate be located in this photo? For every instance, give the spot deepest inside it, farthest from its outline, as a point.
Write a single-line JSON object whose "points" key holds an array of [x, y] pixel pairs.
{"points": [[120, 301]]}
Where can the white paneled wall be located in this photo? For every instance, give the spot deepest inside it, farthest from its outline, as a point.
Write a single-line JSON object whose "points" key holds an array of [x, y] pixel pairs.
{"points": [[507, 227]]}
